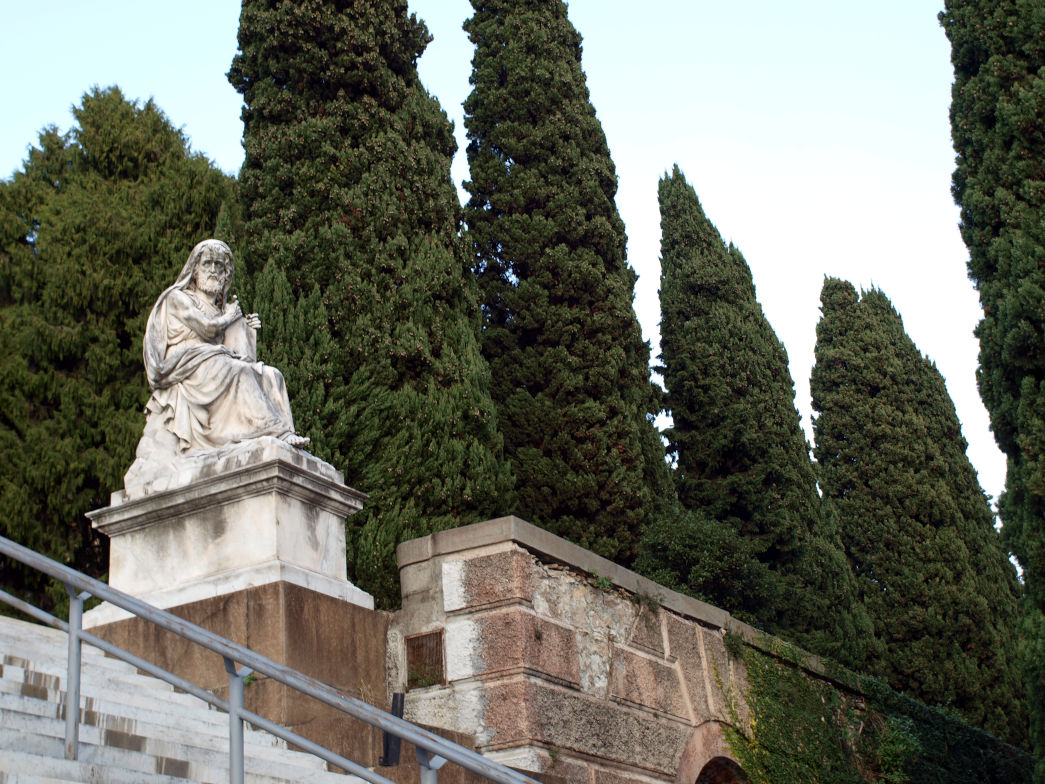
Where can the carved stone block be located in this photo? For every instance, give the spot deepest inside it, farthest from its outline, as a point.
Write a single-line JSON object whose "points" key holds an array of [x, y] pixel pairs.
{"points": [[250, 514]]}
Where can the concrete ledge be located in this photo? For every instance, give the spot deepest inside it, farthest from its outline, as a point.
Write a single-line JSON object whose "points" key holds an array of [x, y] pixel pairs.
{"points": [[555, 548]]}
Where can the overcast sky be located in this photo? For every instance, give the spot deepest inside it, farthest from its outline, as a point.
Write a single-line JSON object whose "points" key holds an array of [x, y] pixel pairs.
{"points": [[815, 133]]}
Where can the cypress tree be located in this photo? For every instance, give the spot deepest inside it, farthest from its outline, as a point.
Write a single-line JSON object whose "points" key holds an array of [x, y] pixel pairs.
{"points": [[347, 191], [742, 461], [917, 528], [570, 369], [97, 222], [998, 101], [295, 335]]}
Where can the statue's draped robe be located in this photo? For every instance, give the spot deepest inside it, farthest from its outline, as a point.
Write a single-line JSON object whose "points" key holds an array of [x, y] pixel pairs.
{"points": [[204, 392]]}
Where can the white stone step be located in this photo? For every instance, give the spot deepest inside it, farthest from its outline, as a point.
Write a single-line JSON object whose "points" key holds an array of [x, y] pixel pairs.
{"points": [[20, 767], [45, 738], [157, 725], [44, 644], [122, 710], [135, 728], [136, 698], [46, 680], [182, 727], [100, 666]]}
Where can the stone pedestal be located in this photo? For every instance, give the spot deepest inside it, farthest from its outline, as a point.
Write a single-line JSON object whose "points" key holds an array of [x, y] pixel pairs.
{"points": [[249, 542], [251, 514]]}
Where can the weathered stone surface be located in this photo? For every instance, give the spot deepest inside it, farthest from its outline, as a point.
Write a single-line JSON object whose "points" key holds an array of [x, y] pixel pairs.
{"points": [[604, 730], [599, 616], [554, 665], [516, 639], [525, 711], [552, 549], [686, 645], [575, 601], [510, 715], [336, 642], [647, 682], [732, 687], [463, 652], [608, 776], [648, 629], [563, 769], [458, 707], [488, 579]]}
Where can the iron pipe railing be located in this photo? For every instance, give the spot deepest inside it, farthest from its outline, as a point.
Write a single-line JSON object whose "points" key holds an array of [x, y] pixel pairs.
{"points": [[432, 750]]}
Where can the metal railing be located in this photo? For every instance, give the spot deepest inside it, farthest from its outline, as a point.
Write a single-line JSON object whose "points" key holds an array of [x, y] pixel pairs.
{"points": [[432, 750]]}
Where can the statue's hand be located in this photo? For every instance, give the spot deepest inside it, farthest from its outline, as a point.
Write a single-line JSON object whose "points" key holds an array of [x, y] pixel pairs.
{"points": [[233, 312], [253, 321]]}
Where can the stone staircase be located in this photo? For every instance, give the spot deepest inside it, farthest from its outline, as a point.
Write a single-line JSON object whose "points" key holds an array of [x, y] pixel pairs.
{"points": [[134, 728]]}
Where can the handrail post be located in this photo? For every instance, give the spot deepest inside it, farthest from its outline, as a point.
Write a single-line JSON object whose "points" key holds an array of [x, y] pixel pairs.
{"points": [[430, 764], [72, 676], [236, 677]]}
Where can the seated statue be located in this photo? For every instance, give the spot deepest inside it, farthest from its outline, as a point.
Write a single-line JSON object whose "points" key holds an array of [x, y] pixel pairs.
{"points": [[208, 389]]}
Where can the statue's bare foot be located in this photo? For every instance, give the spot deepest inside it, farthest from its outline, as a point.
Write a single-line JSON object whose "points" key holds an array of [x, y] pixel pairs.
{"points": [[295, 440]]}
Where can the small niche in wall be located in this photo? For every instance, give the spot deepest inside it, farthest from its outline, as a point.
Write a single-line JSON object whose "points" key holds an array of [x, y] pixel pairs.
{"points": [[424, 660]]}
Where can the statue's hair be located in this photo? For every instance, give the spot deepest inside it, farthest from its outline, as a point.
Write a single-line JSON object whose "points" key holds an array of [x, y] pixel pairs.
{"points": [[194, 260]]}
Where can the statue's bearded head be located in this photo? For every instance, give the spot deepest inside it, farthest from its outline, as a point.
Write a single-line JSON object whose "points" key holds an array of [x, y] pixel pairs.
{"points": [[212, 270]]}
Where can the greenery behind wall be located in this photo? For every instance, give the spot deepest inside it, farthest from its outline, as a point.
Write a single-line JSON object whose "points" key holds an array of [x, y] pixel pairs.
{"points": [[460, 364], [850, 729]]}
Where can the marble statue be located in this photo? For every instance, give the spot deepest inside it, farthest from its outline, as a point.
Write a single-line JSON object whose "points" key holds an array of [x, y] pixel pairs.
{"points": [[208, 389]]}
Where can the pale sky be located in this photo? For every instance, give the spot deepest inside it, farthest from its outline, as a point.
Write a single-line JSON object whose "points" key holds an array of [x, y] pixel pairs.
{"points": [[815, 133]]}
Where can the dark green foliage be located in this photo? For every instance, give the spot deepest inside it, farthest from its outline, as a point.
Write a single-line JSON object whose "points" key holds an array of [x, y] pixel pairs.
{"points": [[704, 558], [916, 526], [998, 102], [347, 192], [805, 729], [92, 229], [295, 337], [755, 540], [570, 369]]}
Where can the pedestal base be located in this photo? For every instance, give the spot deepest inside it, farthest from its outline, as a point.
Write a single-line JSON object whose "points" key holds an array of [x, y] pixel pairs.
{"points": [[340, 644], [240, 517]]}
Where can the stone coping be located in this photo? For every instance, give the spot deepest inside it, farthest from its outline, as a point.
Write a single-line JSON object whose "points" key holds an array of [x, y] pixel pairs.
{"points": [[262, 471], [555, 548], [548, 546]]}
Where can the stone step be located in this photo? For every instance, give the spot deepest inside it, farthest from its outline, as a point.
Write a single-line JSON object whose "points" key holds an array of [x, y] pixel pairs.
{"points": [[44, 679], [117, 698], [42, 643], [134, 727], [179, 727], [24, 768], [20, 635], [45, 738]]}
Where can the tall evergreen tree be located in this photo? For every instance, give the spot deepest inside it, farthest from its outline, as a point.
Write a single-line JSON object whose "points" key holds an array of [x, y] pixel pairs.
{"points": [[742, 461], [570, 368], [347, 191], [998, 102], [94, 226], [916, 526]]}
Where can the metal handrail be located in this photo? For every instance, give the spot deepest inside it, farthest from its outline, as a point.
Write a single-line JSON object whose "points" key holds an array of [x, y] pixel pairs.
{"points": [[432, 750]]}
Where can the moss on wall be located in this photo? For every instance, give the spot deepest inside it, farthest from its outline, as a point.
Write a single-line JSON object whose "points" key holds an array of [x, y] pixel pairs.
{"points": [[800, 729]]}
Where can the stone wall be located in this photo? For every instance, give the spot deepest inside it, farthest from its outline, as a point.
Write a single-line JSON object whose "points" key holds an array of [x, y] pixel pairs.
{"points": [[560, 662]]}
